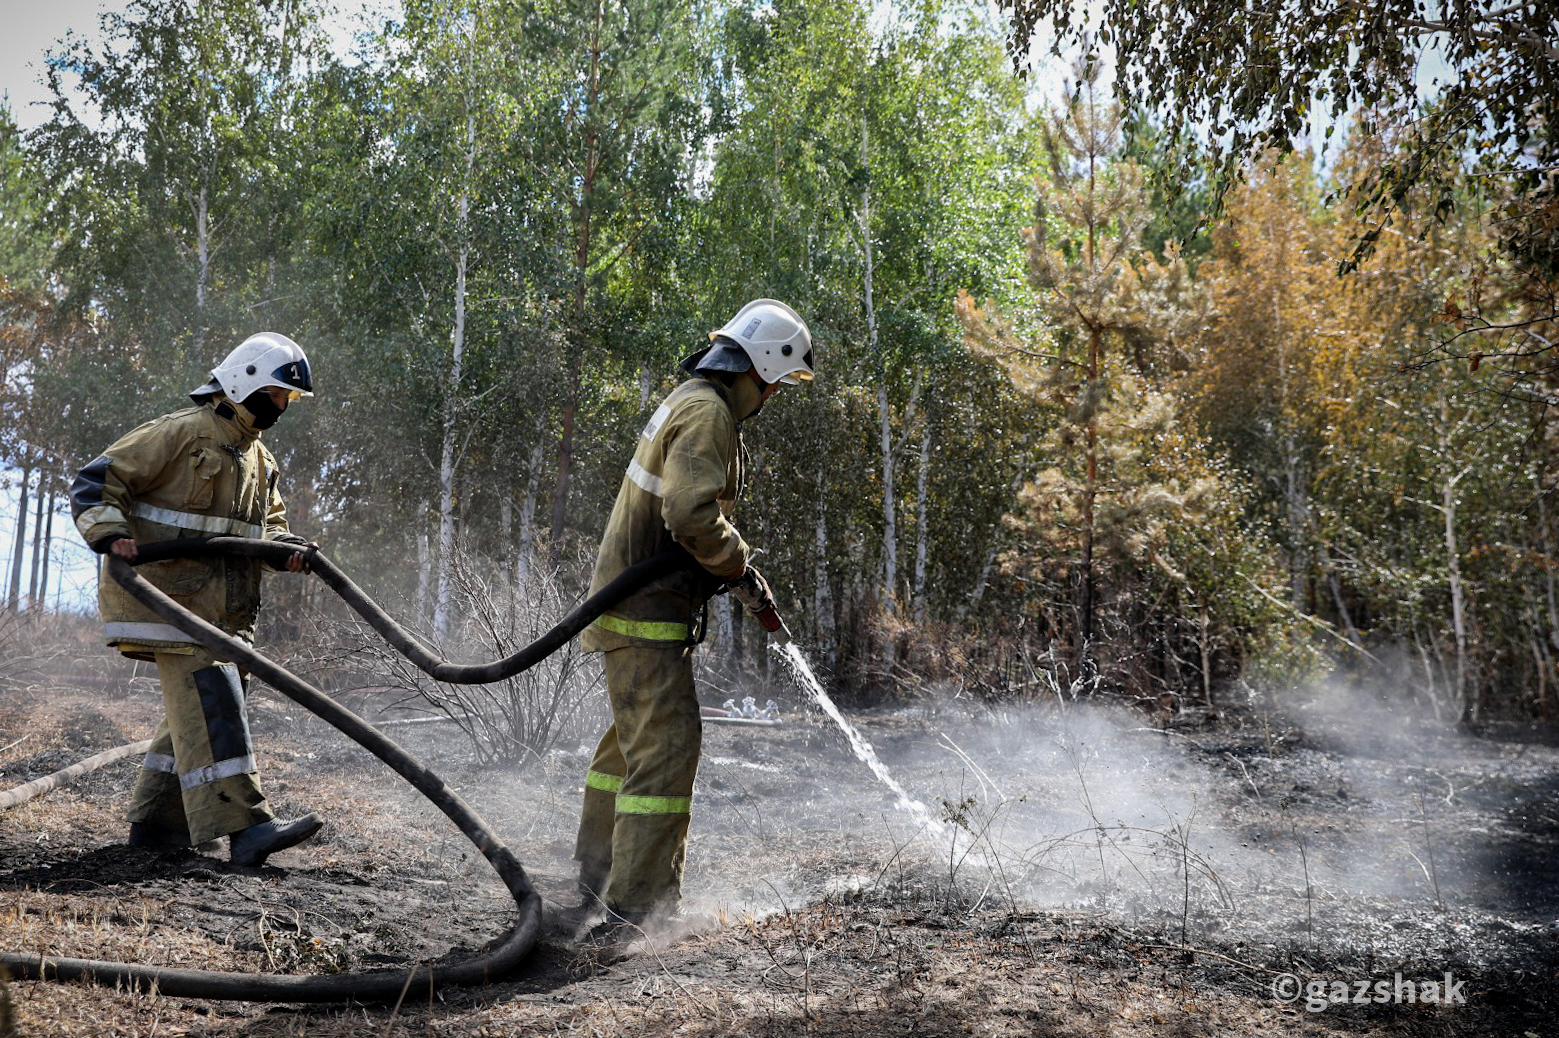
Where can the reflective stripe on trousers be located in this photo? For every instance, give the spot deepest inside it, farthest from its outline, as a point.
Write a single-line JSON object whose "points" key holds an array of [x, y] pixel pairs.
{"points": [[199, 776], [639, 789]]}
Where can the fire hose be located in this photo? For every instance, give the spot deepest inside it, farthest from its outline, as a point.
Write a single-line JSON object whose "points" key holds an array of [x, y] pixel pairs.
{"points": [[377, 986]]}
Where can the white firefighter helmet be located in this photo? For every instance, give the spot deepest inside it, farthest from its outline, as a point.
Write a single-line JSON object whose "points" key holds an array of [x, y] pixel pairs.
{"points": [[260, 361], [775, 339]]}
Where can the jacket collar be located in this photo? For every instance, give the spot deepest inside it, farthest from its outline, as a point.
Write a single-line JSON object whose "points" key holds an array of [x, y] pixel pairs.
{"points": [[741, 396], [235, 420]]}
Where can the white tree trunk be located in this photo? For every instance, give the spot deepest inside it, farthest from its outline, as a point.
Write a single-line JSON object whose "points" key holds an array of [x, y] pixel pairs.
{"points": [[822, 594], [505, 528], [1453, 563], [424, 571], [447, 463], [34, 601], [202, 270], [922, 535], [14, 588], [1548, 570], [527, 548], [890, 550]]}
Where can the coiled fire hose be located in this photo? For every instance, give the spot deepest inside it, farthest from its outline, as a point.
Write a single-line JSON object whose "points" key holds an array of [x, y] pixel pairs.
{"points": [[377, 986]]}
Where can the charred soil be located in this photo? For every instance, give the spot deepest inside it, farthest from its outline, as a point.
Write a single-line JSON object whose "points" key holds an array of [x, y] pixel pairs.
{"points": [[1082, 872]]}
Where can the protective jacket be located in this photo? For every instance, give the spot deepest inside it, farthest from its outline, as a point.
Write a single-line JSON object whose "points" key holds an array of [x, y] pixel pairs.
{"points": [[198, 472], [680, 488]]}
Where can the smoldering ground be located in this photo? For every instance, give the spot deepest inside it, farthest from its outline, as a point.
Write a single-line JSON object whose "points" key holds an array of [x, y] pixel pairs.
{"points": [[1332, 829], [1066, 836]]}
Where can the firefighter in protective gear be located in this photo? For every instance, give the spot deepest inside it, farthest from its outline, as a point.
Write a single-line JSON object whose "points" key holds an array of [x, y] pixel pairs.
{"points": [[199, 472], [680, 488]]}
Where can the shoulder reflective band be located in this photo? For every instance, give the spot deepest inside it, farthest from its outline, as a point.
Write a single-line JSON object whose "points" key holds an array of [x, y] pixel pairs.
{"points": [[645, 480], [654, 805], [213, 524], [650, 630], [602, 781], [656, 421]]}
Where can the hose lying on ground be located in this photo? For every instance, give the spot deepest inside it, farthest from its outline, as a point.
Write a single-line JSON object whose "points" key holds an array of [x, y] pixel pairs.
{"points": [[38, 786], [379, 986]]}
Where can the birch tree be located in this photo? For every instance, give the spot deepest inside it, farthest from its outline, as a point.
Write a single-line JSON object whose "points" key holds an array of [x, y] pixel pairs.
{"points": [[168, 153]]}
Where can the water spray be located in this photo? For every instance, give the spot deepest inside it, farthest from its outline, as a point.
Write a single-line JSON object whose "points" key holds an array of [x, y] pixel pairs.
{"points": [[791, 653]]}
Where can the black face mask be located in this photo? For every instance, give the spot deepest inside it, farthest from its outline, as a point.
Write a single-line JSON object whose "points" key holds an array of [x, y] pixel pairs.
{"points": [[263, 408]]}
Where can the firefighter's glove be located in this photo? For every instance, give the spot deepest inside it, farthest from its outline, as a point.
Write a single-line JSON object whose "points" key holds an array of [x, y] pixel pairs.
{"points": [[752, 591], [303, 561]]}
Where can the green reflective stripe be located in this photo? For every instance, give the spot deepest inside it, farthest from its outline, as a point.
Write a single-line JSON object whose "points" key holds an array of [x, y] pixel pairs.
{"points": [[653, 630], [602, 781], [654, 805]]}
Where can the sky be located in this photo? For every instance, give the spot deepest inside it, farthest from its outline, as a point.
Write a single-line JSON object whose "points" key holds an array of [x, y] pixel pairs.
{"points": [[28, 28], [32, 27]]}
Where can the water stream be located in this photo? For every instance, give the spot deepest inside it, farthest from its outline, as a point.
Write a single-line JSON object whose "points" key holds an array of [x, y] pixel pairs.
{"points": [[932, 825]]}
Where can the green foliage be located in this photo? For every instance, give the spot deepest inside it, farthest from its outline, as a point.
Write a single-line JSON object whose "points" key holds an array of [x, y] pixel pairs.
{"points": [[1251, 75], [499, 231], [24, 248], [173, 189]]}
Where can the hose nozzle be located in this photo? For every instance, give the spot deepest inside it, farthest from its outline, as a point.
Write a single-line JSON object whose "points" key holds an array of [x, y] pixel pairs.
{"points": [[753, 592], [770, 619]]}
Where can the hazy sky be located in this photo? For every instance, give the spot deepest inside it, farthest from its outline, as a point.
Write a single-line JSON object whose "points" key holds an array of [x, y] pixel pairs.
{"points": [[29, 28]]}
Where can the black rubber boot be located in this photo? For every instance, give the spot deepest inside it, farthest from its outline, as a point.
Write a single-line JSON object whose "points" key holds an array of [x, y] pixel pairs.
{"points": [[149, 837], [253, 845], [612, 938]]}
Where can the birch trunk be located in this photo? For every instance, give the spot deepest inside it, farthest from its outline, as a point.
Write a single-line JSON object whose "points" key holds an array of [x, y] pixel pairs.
{"points": [[527, 547], [14, 591], [1458, 608], [822, 595], [37, 547], [890, 537], [424, 571], [48, 547], [922, 534], [583, 215], [447, 462], [1548, 570], [202, 272], [505, 528], [1453, 562]]}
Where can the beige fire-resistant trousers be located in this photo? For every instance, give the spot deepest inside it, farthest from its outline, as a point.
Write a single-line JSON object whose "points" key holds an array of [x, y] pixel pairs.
{"points": [[200, 775], [639, 789]]}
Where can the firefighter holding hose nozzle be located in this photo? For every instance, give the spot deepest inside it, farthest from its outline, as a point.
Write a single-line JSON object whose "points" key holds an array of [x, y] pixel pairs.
{"points": [[680, 488], [199, 472]]}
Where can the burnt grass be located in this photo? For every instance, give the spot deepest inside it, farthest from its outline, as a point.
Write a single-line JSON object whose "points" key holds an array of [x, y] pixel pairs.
{"points": [[1080, 869]]}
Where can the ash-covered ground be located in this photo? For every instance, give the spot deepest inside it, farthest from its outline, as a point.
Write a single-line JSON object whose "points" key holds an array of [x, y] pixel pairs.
{"points": [[1066, 868]]}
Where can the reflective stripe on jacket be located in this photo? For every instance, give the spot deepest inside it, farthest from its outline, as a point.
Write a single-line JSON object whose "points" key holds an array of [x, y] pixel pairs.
{"points": [[680, 488], [198, 472]]}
